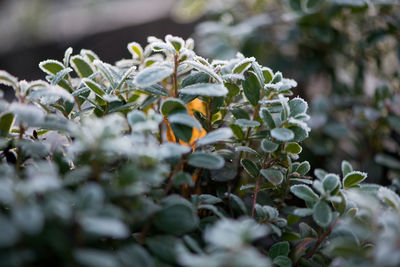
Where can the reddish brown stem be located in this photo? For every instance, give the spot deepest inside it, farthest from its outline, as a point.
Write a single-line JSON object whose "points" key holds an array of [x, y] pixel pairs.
{"points": [[175, 76], [171, 175], [257, 188], [321, 239]]}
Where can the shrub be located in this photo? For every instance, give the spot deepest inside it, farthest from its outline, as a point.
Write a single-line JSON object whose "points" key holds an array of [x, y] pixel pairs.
{"points": [[344, 55], [167, 159]]}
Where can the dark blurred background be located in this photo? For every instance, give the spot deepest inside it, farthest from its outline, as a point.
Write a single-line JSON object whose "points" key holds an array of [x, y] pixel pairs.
{"points": [[35, 30]]}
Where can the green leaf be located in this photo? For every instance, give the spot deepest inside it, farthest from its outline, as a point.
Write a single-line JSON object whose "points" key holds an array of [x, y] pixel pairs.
{"points": [[293, 148], [81, 66], [176, 219], [330, 182], [95, 258], [206, 160], [297, 106], [215, 136], [275, 177], [67, 56], [134, 255], [176, 42], [268, 146], [184, 119], [89, 55], [304, 192], [243, 65], [247, 123], [322, 214], [303, 168], [51, 67], [93, 86], [136, 50], [205, 89], [251, 88], [303, 212], [182, 132], [268, 74], [8, 79], [181, 178], [237, 131], [104, 226], [233, 89], [282, 134], [320, 173], [389, 197], [353, 178], [257, 69], [164, 247], [282, 261], [156, 89], [60, 76], [172, 105], [250, 167], [267, 118], [6, 122], [205, 69], [346, 167], [279, 249], [152, 75]]}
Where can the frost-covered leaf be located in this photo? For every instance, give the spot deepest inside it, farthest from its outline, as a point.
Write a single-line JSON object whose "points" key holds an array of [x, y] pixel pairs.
{"points": [[353, 178], [273, 176], [266, 116], [243, 65], [206, 160], [251, 88], [247, 123], [136, 50], [297, 106], [268, 146], [152, 75], [51, 66], [390, 198], [304, 192], [172, 105], [330, 182], [81, 66], [8, 79], [250, 167], [233, 234], [215, 136], [346, 167], [205, 89], [282, 134], [205, 69], [322, 214], [184, 119]]}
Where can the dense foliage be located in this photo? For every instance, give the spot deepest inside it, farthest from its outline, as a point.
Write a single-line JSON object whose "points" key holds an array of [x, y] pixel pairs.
{"points": [[345, 56], [168, 159]]}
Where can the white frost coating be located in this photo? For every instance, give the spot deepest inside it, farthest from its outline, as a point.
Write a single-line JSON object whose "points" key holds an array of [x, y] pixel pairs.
{"points": [[29, 114], [51, 61], [134, 53], [7, 79], [299, 123], [247, 61], [205, 69]]}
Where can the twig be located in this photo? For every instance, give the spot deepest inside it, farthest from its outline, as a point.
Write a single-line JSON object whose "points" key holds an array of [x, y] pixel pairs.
{"points": [[321, 239]]}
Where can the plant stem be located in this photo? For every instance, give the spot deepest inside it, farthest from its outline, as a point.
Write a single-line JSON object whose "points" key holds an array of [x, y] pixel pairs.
{"points": [[209, 113], [175, 75], [171, 175], [19, 151], [321, 239], [257, 188]]}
